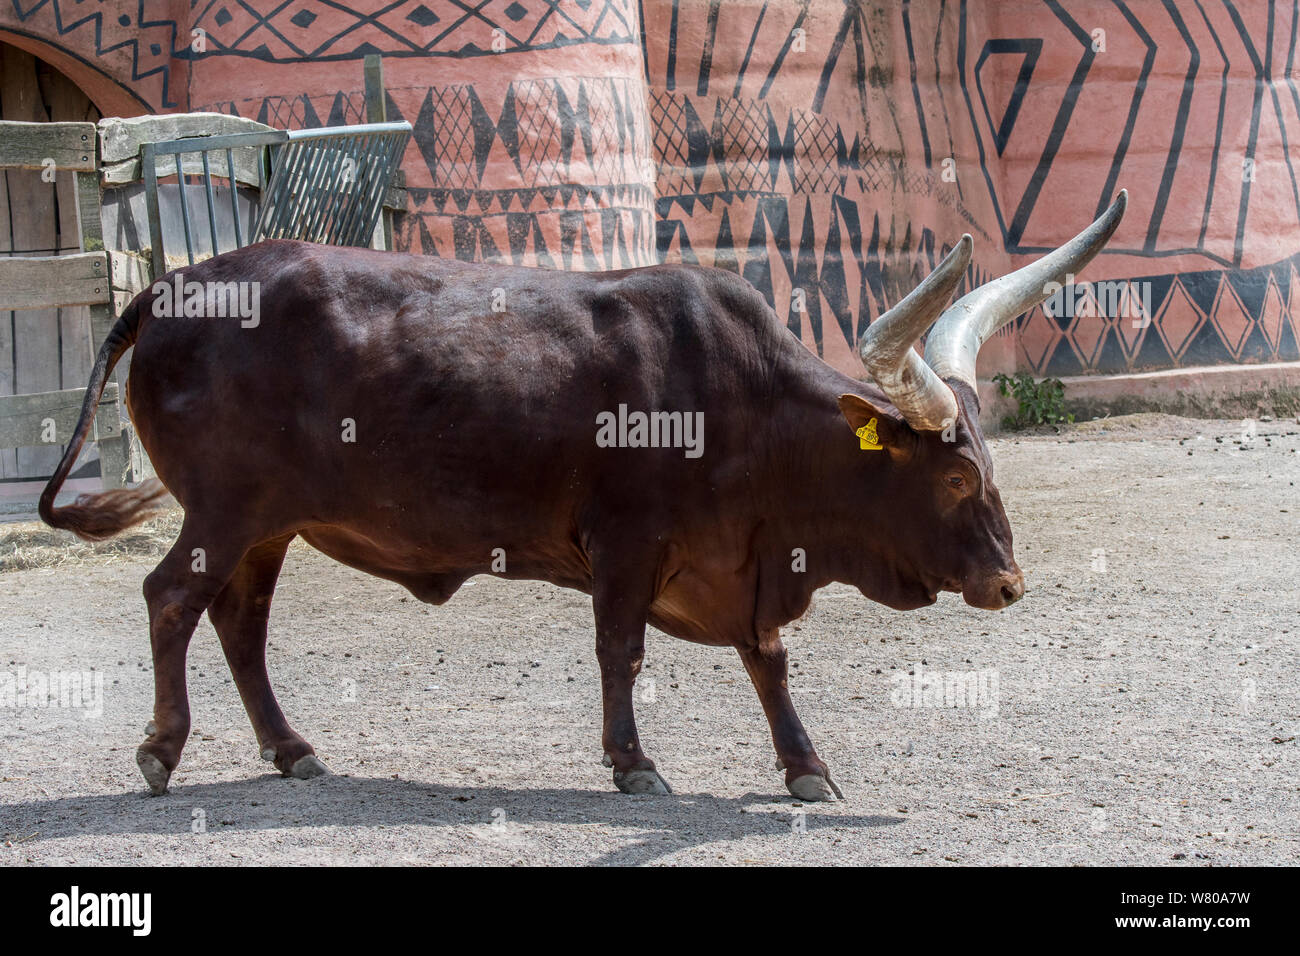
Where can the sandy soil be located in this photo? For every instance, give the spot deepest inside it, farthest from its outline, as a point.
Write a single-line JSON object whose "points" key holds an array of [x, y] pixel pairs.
{"points": [[1141, 703]]}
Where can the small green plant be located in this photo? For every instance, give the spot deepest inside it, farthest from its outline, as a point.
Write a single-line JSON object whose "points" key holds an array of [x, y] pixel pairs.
{"points": [[1040, 403]]}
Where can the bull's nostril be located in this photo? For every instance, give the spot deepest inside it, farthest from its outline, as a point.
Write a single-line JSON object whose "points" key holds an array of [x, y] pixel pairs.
{"points": [[1008, 595]]}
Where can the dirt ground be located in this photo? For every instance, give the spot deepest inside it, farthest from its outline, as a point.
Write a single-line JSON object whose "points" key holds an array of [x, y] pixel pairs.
{"points": [[1139, 706]]}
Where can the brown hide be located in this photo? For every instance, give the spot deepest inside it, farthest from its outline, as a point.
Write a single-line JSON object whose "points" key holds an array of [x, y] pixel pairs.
{"points": [[417, 418]]}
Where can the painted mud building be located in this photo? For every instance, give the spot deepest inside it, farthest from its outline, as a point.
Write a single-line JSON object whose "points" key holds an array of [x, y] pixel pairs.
{"points": [[827, 150]]}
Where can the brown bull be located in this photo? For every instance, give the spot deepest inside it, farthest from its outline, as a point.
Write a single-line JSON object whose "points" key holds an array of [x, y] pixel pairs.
{"points": [[421, 419]]}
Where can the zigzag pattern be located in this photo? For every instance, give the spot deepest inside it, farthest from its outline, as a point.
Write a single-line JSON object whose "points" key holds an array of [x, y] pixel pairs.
{"points": [[46, 20], [324, 30], [578, 146], [779, 127]]}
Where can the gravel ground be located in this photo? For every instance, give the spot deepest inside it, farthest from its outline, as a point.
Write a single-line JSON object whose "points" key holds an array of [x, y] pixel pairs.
{"points": [[1139, 705]]}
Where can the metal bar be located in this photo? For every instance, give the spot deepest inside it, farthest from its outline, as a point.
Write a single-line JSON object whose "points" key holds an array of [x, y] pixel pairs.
{"points": [[347, 204], [365, 166], [193, 144], [322, 189], [212, 203], [295, 167], [360, 227], [307, 160], [360, 194], [279, 190], [305, 195], [383, 173], [234, 198], [364, 227], [354, 229], [324, 132], [185, 206], [326, 191], [157, 257]]}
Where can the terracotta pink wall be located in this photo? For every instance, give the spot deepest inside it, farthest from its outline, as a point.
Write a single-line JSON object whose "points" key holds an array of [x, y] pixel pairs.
{"points": [[802, 144]]}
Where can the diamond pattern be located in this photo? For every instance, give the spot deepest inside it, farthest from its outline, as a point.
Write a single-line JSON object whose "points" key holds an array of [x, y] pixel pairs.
{"points": [[1088, 329], [1178, 320], [1230, 318], [1272, 316], [1039, 337]]}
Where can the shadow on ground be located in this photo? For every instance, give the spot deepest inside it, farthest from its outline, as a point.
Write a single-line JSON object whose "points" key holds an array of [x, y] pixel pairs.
{"points": [[656, 824]]}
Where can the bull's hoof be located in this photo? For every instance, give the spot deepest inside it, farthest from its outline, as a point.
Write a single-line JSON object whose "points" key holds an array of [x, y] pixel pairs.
{"points": [[304, 768], [155, 774], [814, 788], [641, 781]]}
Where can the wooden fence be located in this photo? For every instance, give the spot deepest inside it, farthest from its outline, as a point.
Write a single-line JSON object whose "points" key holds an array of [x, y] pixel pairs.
{"points": [[103, 281], [66, 304]]}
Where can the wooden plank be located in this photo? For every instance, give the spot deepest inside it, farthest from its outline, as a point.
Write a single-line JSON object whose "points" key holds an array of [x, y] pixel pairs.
{"points": [[120, 141], [8, 456], [31, 145], [247, 170], [377, 112], [45, 282], [115, 453], [27, 421], [376, 108], [34, 233], [130, 272], [68, 104]]}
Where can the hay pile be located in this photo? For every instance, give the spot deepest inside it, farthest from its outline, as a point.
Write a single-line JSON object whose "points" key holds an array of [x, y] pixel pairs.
{"points": [[31, 544]]}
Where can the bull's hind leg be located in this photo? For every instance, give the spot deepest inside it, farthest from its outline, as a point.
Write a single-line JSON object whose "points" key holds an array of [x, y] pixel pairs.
{"points": [[177, 593], [806, 776], [621, 602], [240, 614]]}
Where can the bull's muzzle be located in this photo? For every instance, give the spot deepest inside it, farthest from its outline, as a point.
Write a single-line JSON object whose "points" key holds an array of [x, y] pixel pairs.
{"points": [[997, 591]]}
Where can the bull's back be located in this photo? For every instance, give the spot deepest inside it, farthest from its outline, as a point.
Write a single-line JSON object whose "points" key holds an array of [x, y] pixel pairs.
{"points": [[446, 407]]}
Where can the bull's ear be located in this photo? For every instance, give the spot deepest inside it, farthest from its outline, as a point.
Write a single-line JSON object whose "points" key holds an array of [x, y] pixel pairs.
{"points": [[876, 430]]}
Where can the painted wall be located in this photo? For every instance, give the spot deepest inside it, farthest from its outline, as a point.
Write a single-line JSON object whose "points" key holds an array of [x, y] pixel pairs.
{"points": [[829, 150]]}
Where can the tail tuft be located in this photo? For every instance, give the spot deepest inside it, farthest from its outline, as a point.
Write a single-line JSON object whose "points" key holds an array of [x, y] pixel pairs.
{"points": [[99, 516], [95, 517]]}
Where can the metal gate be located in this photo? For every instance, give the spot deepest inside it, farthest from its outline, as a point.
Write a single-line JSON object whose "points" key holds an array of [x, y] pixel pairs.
{"points": [[324, 185]]}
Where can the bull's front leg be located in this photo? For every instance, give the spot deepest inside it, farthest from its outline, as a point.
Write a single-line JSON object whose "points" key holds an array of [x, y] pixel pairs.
{"points": [[806, 776], [621, 601]]}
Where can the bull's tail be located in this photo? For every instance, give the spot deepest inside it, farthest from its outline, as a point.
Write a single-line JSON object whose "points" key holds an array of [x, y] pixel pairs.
{"points": [[95, 517]]}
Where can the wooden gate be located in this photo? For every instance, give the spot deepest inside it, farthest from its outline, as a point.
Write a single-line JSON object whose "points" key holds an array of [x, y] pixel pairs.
{"points": [[62, 286], [56, 281]]}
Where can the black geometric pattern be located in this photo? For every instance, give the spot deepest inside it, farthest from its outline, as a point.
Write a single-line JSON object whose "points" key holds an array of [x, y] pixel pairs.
{"points": [[777, 138], [579, 148], [312, 30]]}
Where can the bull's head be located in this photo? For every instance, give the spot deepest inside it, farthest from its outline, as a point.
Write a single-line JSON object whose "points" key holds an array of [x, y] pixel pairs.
{"points": [[934, 437]]}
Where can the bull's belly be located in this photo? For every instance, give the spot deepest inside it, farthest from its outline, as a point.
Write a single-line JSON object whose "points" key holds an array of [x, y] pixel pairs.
{"points": [[677, 610], [433, 576]]}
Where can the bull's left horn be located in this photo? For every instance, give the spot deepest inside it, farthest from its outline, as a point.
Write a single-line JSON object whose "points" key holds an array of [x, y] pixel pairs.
{"points": [[886, 347], [952, 347]]}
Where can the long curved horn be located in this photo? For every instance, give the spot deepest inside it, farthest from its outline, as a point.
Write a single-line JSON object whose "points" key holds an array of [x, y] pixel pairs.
{"points": [[886, 347], [954, 344]]}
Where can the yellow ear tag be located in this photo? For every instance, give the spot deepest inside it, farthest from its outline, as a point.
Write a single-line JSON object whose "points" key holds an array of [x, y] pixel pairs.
{"points": [[867, 437]]}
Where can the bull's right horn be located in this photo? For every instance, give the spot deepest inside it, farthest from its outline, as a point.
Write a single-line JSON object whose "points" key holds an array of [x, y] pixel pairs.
{"points": [[955, 342], [923, 398]]}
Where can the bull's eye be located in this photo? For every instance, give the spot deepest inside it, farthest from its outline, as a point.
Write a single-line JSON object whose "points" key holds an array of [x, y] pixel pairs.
{"points": [[957, 481]]}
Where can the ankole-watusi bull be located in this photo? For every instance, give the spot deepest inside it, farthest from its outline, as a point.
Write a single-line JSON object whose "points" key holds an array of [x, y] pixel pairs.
{"points": [[417, 418]]}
